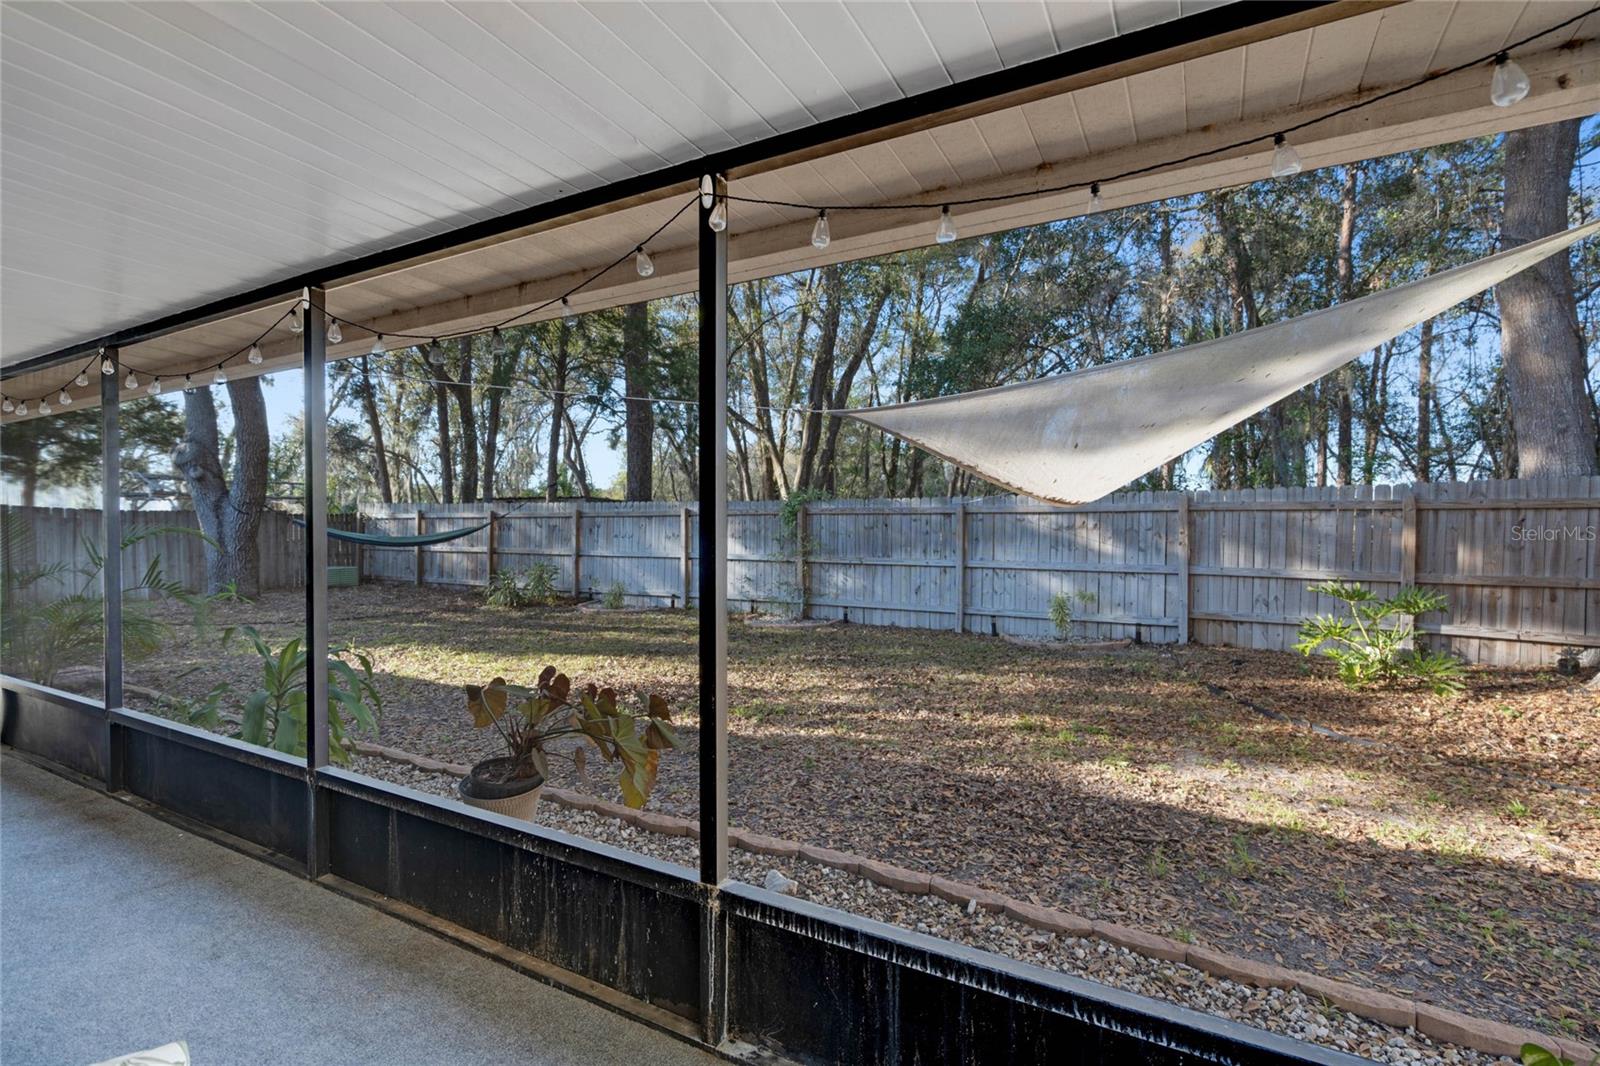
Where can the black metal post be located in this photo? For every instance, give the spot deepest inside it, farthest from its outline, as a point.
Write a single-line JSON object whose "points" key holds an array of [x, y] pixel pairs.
{"points": [[713, 592], [111, 549], [314, 368], [713, 539]]}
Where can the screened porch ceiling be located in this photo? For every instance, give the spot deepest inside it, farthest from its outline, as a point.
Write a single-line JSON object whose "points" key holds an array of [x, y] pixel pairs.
{"points": [[1196, 96]]}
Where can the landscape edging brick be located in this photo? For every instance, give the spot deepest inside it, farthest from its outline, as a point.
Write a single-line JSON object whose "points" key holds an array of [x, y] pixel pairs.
{"points": [[1436, 1023]]}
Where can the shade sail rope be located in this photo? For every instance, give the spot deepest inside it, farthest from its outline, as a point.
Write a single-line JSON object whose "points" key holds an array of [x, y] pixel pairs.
{"points": [[1075, 437]]}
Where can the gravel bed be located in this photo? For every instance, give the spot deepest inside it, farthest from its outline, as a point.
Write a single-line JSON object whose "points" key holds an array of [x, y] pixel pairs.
{"points": [[1277, 1010]]}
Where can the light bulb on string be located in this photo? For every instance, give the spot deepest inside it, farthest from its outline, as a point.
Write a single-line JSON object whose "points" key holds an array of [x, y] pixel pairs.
{"points": [[107, 367], [22, 408], [131, 381], [1096, 205], [1285, 160], [335, 334], [44, 407], [82, 380], [820, 235], [255, 355], [377, 345], [220, 377], [947, 226], [643, 263], [436, 353], [1510, 84], [188, 383], [497, 342], [568, 315], [7, 406], [295, 325], [154, 387], [718, 219], [65, 399]]}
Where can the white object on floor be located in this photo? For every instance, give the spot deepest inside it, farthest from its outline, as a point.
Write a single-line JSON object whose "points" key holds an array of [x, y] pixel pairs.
{"points": [[776, 882], [173, 1054], [1075, 437]]}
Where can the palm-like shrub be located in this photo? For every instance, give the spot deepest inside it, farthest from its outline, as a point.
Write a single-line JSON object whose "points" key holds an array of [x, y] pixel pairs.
{"points": [[535, 586], [1371, 645]]}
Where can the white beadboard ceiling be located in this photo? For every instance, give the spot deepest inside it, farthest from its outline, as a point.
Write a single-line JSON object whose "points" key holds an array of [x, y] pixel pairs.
{"points": [[1105, 122], [155, 155]]}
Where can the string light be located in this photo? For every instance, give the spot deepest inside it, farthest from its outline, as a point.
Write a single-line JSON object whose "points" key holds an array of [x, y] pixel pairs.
{"points": [[820, 237], [497, 342], [65, 399], [82, 380], [22, 408], [295, 325], [436, 353], [44, 407], [131, 381], [220, 377], [335, 334], [718, 220], [377, 344], [255, 355], [1285, 160], [107, 367], [947, 226], [1095, 203], [188, 383], [1510, 84], [643, 263], [7, 406], [154, 387], [568, 315]]}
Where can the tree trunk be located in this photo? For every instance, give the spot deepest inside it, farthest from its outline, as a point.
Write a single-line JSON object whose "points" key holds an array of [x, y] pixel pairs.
{"points": [[1540, 342], [230, 515], [466, 415], [821, 378], [1345, 267], [558, 415], [1425, 402], [841, 392], [441, 410], [369, 405], [639, 418]]}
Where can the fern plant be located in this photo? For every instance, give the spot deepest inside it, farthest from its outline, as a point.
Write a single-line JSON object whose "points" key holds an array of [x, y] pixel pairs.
{"points": [[615, 597], [1061, 614], [1370, 646]]}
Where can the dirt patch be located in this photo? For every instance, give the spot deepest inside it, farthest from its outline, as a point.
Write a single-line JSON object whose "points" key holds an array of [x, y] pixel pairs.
{"points": [[1117, 784]]}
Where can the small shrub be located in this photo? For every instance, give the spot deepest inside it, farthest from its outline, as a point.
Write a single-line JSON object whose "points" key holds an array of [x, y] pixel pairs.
{"points": [[1061, 614], [535, 586], [616, 597], [1369, 646]]}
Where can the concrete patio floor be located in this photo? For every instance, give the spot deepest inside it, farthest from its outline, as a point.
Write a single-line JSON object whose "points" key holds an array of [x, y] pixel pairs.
{"points": [[120, 932]]}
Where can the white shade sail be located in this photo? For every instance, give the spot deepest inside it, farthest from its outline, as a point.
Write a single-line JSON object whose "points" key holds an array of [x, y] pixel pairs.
{"points": [[1075, 437]]}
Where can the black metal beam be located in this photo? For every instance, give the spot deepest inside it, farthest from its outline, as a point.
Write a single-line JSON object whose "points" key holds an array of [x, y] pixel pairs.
{"points": [[111, 527], [1187, 30]]}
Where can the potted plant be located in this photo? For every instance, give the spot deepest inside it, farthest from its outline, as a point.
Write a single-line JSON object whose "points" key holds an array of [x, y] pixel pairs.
{"points": [[529, 720]]}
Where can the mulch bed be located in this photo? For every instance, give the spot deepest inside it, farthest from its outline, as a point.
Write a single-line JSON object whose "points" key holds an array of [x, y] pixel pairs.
{"points": [[1132, 785]]}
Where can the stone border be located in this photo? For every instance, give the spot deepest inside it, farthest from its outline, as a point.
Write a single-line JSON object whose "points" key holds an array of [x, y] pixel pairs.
{"points": [[1437, 1023]]}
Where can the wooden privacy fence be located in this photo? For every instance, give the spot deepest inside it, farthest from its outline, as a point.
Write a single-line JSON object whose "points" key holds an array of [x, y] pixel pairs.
{"points": [[1516, 559], [57, 537]]}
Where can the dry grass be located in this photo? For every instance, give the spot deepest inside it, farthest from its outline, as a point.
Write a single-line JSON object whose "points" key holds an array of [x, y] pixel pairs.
{"points": [[1133, 785]]}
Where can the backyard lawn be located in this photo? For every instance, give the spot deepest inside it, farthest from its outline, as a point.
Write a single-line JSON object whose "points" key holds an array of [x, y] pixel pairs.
{"points": [[1447, 849]]}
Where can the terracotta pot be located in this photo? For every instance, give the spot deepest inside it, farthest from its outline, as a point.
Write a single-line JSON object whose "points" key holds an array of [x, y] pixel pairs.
{"points": [[483, 788]]}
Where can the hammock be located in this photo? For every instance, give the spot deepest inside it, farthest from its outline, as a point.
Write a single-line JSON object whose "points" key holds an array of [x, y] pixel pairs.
{"points": [[382, 540], [1076, 437]]}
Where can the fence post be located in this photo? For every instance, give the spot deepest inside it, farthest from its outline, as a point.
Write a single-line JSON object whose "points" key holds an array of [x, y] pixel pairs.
{"points": [[683, 552], [419, 547], [1183, 568], [1408, 546], [961, 565], [800, 516], [489, 577], [577, 548]]}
